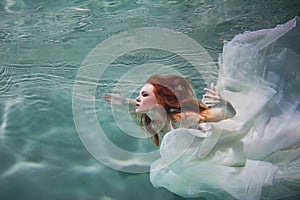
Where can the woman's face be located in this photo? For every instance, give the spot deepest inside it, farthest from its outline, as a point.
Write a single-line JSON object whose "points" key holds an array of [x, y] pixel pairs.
{"points": [[146, 98]]}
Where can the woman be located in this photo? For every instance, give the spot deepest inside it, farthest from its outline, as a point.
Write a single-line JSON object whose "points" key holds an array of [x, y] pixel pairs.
{"points": [[167, 102], [255, 152]]}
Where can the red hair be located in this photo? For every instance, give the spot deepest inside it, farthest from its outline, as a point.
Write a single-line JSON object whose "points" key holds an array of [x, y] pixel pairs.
{"points": [[175, 94]]}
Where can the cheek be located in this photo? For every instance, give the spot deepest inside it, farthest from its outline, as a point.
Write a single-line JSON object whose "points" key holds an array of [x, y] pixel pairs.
{"points": [[149, 101]]}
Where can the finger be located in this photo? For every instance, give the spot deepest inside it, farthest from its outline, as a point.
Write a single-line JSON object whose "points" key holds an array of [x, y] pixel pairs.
{"points": [[210, 105], [106, 98], [212, 102], [211, 91], [106, 95], [214, 88], [108, 101], [214, 97]]}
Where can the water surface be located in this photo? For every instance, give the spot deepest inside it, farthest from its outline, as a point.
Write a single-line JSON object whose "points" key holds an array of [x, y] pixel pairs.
{"points": [[42, 45]]}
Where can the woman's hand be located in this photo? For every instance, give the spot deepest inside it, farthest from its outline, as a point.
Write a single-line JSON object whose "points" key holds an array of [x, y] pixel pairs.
{"points": [[219, 108], [212, 97], [115, 99]]}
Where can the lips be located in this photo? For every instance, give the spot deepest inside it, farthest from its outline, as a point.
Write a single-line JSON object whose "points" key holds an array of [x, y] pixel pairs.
{"points": [[137, 106]]}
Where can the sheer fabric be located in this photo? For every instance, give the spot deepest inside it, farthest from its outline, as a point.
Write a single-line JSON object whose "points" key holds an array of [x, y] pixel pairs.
{"points": [[255, 154]]}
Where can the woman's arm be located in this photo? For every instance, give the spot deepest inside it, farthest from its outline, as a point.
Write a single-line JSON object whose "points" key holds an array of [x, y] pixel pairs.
{"points": [[117, 99]]}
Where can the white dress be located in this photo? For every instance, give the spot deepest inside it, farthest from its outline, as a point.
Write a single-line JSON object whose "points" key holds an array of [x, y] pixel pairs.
{"points": [[256, 154]]}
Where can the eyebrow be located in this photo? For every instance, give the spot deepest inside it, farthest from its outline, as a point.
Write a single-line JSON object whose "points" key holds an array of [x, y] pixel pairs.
{"points": [[143, 92]]}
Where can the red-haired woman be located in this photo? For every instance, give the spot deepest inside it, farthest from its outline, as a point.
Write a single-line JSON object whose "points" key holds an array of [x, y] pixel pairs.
{"points": [[167, 102], [246, 149]]}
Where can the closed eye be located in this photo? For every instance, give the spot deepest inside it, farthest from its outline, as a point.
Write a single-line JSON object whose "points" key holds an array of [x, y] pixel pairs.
{"points": [[145, 94]]}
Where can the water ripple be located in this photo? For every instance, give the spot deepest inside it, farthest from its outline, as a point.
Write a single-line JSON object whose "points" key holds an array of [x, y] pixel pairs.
{"points": [[5, 79], [42, 46], [21, 166]]}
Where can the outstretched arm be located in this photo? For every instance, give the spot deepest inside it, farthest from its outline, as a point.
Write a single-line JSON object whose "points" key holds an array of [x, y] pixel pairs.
{"points": [[117, 99], [220, 108]]}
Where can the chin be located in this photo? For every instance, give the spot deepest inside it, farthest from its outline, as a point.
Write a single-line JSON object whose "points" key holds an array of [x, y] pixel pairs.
{"points": [[139, 110]]}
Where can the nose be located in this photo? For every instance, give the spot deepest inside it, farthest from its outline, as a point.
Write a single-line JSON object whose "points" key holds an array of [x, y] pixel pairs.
{"points": [[138, 99]]}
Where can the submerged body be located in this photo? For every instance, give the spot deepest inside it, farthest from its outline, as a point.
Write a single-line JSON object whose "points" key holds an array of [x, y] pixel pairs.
{"points": [[244, 147]]}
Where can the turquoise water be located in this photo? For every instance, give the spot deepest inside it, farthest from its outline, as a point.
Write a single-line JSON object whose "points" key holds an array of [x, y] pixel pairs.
{"points": [[43, 44]]}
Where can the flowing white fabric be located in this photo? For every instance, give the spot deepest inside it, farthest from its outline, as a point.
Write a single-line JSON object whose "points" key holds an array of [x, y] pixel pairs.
{"points": [[255, 154]]}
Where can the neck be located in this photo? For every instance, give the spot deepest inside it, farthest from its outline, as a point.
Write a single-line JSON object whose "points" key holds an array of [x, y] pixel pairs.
{"points": [[158, 116], [157, 112]]}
